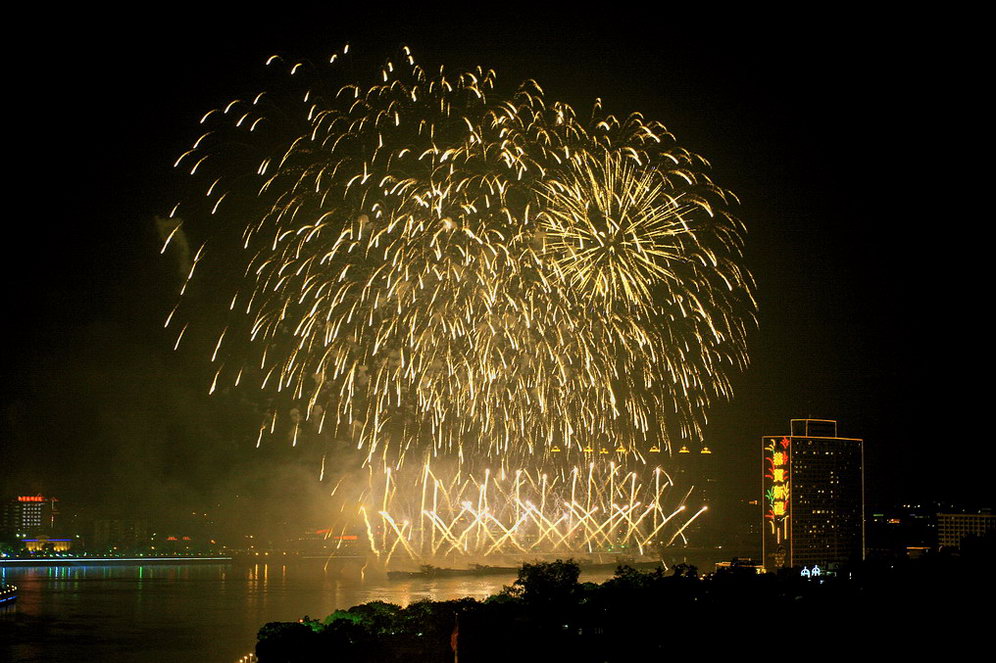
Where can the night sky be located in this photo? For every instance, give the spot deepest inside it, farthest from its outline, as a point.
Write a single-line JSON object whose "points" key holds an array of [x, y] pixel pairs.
{"points": [[853, 142]]}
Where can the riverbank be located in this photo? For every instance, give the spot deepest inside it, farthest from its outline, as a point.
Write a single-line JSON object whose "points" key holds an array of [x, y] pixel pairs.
{"points": [[108, 561], [204, 612], [550, 613]]}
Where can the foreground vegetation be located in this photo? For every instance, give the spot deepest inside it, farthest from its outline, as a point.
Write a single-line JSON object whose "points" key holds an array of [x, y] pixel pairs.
{"points": [[548, 615]]}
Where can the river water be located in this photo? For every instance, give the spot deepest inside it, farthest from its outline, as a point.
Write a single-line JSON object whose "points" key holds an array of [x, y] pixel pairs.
{"points": [[194, 612]]}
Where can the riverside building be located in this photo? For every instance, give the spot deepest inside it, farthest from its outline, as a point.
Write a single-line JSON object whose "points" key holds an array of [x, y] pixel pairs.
{"points": [[812, 496]]}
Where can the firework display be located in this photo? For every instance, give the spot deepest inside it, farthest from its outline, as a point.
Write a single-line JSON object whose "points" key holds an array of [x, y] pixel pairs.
{"points": [[600, 507], [427, 269]]}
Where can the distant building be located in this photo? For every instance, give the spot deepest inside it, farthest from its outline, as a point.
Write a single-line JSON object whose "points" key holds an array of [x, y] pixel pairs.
{"points": [[117, 535], [953, 527], [739, 563], [900, 530], [812, 496], [697, 469], [744, 529], [45, 544], [694, 469], [30, 514], [325, 543]]}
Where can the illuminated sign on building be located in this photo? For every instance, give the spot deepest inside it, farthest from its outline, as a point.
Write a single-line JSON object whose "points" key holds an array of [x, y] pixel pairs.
{"points": [[27, 514], [777, 487]]}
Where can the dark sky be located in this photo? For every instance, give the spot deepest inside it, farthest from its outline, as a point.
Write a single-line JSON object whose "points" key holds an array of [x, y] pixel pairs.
{"points": [[854, 142]]}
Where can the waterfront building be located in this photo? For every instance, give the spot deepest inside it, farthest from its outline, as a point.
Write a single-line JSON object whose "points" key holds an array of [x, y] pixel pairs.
{"points": [[812, 496], [29, 514], [695, 471], [118, 535], [46, 544]]}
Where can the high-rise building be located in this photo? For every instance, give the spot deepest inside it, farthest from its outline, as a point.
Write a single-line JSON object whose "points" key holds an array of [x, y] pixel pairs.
{"points": [[29, 514], [813, 496], [696, 468], [695, 472], [117, 535]]}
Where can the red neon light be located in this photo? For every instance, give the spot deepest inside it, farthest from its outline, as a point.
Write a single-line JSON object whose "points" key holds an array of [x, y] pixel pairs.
{"points": [[31, 498], [344, 537]]}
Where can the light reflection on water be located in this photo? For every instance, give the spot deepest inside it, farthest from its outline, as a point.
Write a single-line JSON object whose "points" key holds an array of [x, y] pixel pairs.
{"points": [[207, 613]]}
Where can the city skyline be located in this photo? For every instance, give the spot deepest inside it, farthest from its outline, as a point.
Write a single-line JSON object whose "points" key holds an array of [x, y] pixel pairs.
{"points": [[826, 147]]}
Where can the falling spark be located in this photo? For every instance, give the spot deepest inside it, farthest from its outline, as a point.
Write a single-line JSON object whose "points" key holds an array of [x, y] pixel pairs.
{"points": [[520, 512]]}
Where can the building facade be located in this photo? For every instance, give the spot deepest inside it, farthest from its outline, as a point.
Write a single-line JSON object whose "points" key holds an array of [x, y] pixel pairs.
{"points": [[694, 469], [812, 496], [953, 527], [30, 514], [117, 536]]}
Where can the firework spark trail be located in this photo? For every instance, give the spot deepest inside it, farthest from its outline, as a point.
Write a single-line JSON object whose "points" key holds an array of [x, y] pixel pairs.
{"points": [[522, 511], [427, 268], [434, 266]]}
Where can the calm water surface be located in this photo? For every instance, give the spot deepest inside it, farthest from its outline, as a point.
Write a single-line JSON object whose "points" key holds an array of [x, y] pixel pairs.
{"points": [[193, 612]]}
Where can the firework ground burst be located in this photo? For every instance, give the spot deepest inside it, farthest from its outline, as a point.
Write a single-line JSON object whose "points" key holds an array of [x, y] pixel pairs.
{"points": [[514, 513]]}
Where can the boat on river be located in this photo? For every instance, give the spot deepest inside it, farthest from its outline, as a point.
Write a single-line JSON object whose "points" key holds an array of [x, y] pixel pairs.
{"points": [[427, 571], [587, 565], [8, 594]]}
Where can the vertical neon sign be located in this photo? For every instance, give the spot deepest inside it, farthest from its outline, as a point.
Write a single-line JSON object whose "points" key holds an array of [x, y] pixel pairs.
{"points": [[777, 491]]}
